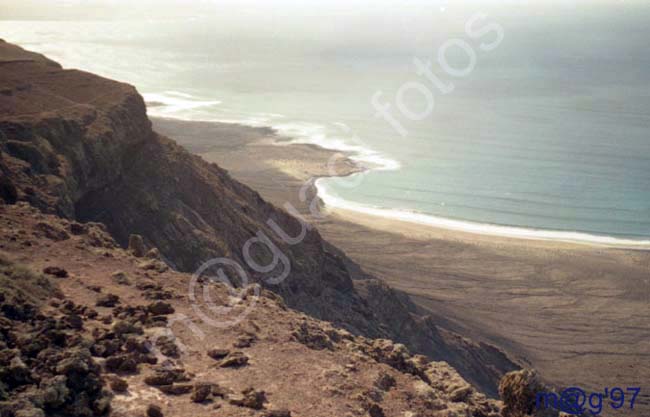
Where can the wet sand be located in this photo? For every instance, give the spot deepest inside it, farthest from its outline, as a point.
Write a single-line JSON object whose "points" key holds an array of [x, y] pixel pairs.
{"points": [[580, 314]]}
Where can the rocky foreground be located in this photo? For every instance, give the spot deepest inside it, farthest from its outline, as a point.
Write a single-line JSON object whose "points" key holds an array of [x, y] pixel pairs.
{"points": [[100, 216], [73, 357], [84, 330]]}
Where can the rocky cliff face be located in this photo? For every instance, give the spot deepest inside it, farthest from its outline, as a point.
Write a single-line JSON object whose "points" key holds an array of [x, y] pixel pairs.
{"points": [[80, 146]]}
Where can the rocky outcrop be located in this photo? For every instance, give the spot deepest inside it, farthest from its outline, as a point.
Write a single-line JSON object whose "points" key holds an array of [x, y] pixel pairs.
{"points": [[62, 355], [46, 368], [81, 146], [525, 394]]}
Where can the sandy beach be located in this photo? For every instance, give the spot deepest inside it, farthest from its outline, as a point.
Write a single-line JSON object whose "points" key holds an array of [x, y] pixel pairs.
{"points": [[578, 313]]}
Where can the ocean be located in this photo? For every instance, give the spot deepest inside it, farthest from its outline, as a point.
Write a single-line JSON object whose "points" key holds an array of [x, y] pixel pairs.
{"points": [[546, 133]]}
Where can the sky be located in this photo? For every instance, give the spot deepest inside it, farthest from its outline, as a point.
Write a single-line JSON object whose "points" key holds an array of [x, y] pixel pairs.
{"points": [[111, 9]]}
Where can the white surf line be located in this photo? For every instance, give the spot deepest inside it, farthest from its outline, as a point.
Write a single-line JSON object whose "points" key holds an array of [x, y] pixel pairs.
{"points": [[333, 201]]}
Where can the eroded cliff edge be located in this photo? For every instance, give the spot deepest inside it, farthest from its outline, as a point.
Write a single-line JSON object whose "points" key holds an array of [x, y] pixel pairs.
{"points": [[81, 147]]}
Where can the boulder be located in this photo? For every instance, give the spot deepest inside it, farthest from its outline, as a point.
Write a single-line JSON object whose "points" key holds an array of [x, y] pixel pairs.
{"points": [[218, 354], [384, 381], [126, 363], [517, 390], [176, 389], [160, 308], [201, 392], [249, 398], [244, 341], [167, 346], [136, 246], [234, 360], [312, 336], [153, 265], [54, 391], [118, 384], [122, 327], [120, 278], [154, 411], [52, 232], [164, 376], [107, 300], [55, 271], [375, 410]]}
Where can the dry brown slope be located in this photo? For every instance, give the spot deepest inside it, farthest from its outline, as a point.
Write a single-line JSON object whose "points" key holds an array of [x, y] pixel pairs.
{"points": [[295, 365]]}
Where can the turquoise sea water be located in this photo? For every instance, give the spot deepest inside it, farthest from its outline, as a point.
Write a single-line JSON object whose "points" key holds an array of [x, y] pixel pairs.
{"points": [[548, 136]]}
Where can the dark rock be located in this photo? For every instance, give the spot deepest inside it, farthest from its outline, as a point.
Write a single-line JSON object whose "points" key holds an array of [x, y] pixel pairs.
{"points": [[136, 246], [312, 336], [122, 327], [219, 391], [137, 344], [102, 405], [8, 191], [218, 354], [154, 411], [73, 321], [78, 228], [107, 300], [118, 384], [167, 346], [19, 373], [147, 284], [55, 271], [120, 278], [149, 358], [105, 348], [52, 232], [385, 381], [51, 372], [244, 341], [158, 295], [54, 391], [201, 392], [234, 360], [376, 411], [250, 398], [156, 321], [176, 389], [518, 390], [162, 377], [153, 265], [159, 379], [159, 308], [76, 361], [393, 354], [125, 363]]}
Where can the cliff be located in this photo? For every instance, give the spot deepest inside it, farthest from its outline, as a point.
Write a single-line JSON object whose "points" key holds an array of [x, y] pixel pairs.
{"points": [[81, 147]]}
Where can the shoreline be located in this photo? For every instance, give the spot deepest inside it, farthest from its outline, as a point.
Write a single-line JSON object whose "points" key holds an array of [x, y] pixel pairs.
{"points": [[355, 212], [436, 226]]}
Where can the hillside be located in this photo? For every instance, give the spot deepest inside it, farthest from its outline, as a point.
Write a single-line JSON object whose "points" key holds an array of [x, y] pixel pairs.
{"points": [[81, 147], [93, 330]]}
